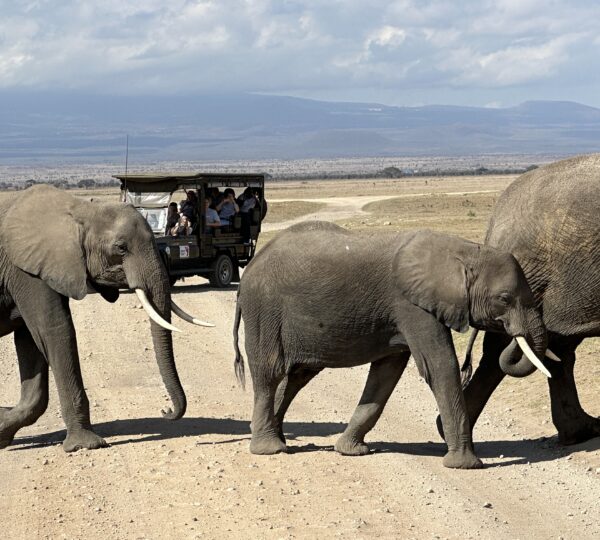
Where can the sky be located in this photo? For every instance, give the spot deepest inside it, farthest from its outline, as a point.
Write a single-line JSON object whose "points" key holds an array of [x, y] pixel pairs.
{"points": [[492, 53]]}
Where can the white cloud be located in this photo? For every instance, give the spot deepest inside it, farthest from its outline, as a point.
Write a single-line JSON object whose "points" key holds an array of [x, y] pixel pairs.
{"points": [[310, 47], [512, 65], [387, 36]]}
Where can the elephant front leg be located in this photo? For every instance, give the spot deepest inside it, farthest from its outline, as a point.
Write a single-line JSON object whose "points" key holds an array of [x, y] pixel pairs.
{"points": [[383, 378], [485, 380], [74, 402], [574, 425], [51, 327], [431, 345], [33, 370]]}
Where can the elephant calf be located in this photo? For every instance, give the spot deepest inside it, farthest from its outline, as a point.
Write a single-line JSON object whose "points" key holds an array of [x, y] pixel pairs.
{"points": [[320, 297]]}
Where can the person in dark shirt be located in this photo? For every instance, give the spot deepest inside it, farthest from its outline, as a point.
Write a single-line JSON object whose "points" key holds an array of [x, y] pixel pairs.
{"points": [[189, 207], [172, 217]]}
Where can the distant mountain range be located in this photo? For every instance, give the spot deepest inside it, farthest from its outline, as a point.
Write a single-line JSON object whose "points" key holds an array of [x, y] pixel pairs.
{"points": [[51, 126]]}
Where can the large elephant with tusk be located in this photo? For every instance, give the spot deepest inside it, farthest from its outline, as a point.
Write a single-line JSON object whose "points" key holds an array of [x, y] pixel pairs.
{"points": [[549, 219], [54, 247]]}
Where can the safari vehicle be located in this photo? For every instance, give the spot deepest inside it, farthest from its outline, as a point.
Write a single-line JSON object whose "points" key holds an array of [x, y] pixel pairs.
{"points": [[215, 254]]}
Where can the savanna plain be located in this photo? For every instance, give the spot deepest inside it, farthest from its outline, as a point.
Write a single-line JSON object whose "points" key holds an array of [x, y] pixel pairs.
{"points": [[195, 478]]}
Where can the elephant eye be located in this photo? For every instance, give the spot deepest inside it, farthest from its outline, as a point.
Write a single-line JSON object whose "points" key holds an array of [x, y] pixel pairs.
{"points": [[121, 247], [505, 299]]}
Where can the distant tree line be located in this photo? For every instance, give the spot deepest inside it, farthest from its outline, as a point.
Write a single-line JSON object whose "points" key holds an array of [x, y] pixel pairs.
{"points": [[396, 172], [86, 183]]}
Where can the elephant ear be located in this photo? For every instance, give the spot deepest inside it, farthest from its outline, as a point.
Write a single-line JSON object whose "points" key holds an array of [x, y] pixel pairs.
{"points": [[41, 236], [431, 274]]}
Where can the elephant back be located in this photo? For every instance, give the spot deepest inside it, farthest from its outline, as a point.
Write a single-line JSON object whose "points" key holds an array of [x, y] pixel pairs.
{"points": [[548, 219]]}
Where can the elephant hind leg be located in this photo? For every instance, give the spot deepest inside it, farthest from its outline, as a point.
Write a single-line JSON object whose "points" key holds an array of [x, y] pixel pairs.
{"points": [[574, 425], [33, 370], [288, 389], [265, 427], [383, 378]]}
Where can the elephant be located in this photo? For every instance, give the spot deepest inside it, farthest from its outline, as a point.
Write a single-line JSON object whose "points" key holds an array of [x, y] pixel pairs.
{"points": [[548, 219], [319, 296], [53, 247]]}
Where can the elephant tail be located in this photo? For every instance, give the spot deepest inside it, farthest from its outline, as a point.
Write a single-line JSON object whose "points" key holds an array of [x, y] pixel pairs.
{"points": [[238, 363], [466, 369]]}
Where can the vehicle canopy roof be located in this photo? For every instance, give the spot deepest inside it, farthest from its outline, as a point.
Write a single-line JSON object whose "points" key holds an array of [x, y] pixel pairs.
{"points": [[170, 182]]}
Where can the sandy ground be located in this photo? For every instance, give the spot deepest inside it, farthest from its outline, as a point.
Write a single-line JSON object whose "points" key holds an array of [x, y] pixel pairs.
{"points": [[195, 478]]}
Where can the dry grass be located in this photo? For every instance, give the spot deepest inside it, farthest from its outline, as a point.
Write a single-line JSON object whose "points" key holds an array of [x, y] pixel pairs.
{"points": [[286, 210], [465, 215]]}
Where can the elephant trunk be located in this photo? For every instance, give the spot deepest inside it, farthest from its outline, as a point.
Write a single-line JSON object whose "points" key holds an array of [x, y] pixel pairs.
{"points": [[531, 332], [155, 284]]}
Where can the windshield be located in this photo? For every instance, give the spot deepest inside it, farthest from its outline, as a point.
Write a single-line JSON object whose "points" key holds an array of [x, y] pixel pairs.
{"points": [[153, 206]]}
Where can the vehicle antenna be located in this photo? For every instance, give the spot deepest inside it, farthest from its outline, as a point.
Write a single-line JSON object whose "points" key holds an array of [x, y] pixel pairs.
{"points": [[126, 159]]}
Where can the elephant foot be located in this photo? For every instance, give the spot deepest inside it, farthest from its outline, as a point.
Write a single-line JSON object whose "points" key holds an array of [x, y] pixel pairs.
{"points": [[580, 431], [462, 459], [7, 427], [266, 446], [6, 436], [83, 438], [348, 446]]}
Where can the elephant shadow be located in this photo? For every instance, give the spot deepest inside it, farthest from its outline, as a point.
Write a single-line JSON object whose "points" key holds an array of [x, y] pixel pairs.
{"points": [[158, 429], [512, 452], [132, 431]]}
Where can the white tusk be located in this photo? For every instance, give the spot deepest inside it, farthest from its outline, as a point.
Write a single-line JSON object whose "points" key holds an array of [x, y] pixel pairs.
{"points": [[186, 317], [152, 312], [531, 355], [552, 356]]}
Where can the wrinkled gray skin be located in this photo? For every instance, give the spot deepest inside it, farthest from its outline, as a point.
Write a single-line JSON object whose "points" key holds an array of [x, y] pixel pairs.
{"points": [[54, 247], [549, 219], [320, 297]]}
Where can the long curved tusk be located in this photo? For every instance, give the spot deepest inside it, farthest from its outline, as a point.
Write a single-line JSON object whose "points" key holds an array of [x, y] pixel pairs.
{"points": [[531, 355], [152, 312], [552, 356], [187, 317]]}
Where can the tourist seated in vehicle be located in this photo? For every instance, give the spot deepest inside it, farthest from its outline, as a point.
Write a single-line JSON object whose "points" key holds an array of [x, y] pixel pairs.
{"points": [[189, 206], [172, 217], [247, 200], [216, 197], [182, 228], [211, 217], [228, 207]]}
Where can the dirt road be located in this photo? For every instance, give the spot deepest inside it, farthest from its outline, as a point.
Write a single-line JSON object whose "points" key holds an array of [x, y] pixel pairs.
{"points": [[340, 208], [194, 478]]}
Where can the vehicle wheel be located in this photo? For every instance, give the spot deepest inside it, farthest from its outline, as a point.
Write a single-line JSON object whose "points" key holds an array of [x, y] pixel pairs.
{"points": [[223, 271]]}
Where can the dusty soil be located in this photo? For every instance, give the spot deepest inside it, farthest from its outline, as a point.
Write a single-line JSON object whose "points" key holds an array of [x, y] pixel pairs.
{"points": [[195, 478]]}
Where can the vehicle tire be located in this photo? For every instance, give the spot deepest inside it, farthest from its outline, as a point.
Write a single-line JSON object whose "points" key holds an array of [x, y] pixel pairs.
{"points": [[222, 271]]}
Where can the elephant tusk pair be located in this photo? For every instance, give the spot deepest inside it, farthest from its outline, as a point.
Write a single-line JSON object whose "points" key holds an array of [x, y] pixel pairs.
{"points": [[186, 317], [176, 309], [533, 358], [152, 312]]}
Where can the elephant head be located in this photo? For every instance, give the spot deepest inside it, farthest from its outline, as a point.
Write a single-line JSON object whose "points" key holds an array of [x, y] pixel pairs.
{"points": [[77, 247], [467, 284]]}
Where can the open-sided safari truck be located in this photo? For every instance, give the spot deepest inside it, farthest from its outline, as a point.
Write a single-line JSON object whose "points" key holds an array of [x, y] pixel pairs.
{"points": [[215, 254]]}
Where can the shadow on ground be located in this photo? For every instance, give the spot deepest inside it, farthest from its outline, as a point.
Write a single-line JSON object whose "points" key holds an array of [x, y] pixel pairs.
{"points": [[134, 431], [157, 429]]}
